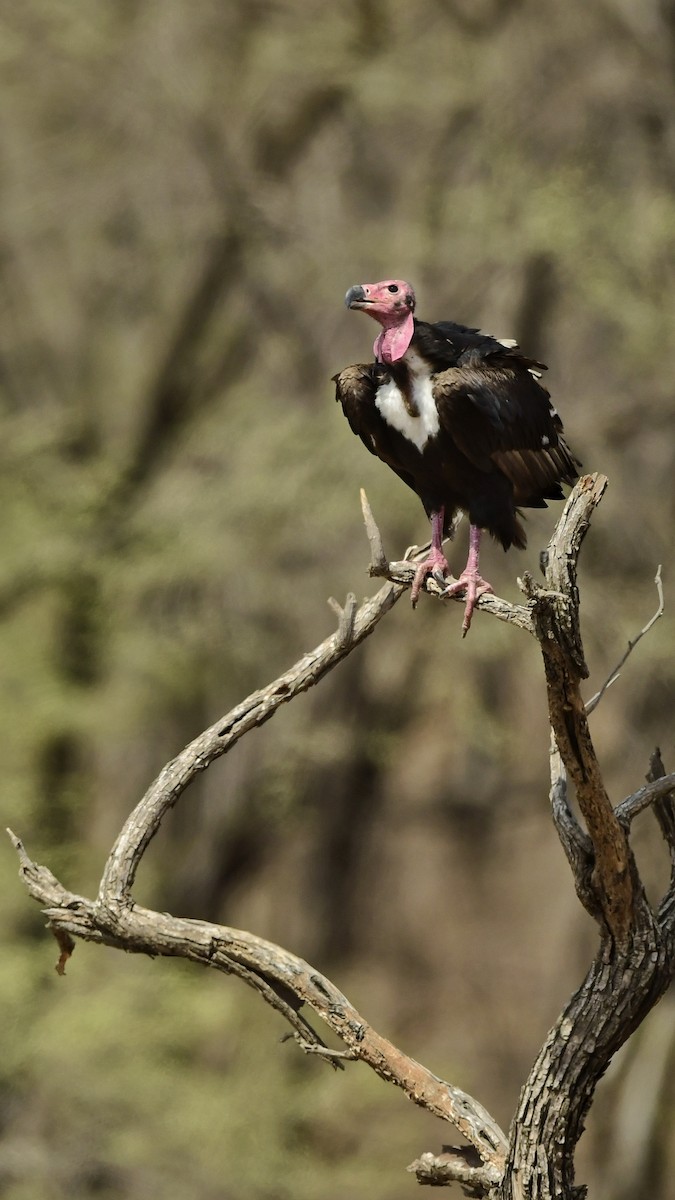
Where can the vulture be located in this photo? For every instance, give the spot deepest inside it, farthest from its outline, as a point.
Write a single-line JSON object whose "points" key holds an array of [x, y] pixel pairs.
{"points": [[463, 420]]}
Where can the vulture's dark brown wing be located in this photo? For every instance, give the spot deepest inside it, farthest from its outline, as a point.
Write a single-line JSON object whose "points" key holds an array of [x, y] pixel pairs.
{"points": [[500, 417], [355, 388], [447, 344]]}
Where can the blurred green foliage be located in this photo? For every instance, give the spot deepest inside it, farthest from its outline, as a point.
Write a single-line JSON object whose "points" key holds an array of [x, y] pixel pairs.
{"points": [[187, 191]]}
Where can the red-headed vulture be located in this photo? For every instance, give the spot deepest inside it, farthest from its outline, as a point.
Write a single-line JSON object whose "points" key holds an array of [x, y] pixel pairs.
{"points": [[463, 419]]}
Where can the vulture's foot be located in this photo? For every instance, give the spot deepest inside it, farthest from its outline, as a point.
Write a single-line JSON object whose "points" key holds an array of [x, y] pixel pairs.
{"points": [[474, 586], [436, 565]]}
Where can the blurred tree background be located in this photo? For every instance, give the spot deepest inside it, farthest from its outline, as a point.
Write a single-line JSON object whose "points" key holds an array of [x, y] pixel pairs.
{"points": [[186, 192]]}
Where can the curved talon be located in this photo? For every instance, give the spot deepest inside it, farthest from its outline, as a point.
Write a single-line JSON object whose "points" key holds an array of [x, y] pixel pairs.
{"points": [[436, 565], [475, 586]]}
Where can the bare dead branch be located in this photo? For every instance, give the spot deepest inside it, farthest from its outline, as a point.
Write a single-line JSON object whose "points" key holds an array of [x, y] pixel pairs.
{"points": [[283, 981], [379, 564], [556, 621], [616, 671], [455, 1164], [575, 841], [635, 962], [513, 614], [664, 811], [565, 821], [620, 988], [276, 996], [562, 555], [275, 973], [336, 1058], [176, 776], [632, 806], [346, 616]]}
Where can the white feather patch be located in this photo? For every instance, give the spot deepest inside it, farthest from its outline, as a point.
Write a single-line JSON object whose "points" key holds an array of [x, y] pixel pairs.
{"points": [[391, 404]]}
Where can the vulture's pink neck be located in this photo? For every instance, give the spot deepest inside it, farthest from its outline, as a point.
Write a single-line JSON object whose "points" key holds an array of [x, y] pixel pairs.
{"points": [[394, 340]]}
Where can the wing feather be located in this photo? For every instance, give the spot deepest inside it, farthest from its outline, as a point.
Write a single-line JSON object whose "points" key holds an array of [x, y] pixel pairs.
{"points": [[447, 344], [501, 417]]}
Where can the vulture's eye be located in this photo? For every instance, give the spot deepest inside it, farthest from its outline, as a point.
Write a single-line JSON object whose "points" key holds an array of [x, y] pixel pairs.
{"points": [[393, 287]]}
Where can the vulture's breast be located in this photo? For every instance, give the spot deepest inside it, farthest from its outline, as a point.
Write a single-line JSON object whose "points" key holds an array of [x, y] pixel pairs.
{"points": [[406, 400]]}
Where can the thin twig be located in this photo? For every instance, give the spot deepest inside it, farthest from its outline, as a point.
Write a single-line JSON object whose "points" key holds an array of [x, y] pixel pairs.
{"points": [[336, 1058], [615, 672], [632, 806], [456, 1164], [346, 616], [378, 558]]}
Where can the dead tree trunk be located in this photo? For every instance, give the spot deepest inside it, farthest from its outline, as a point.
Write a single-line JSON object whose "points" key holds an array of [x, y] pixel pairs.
{"points": [[634, 963]]}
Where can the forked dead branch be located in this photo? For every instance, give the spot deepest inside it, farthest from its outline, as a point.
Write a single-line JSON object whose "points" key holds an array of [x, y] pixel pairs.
{"points": [[635, 960]]}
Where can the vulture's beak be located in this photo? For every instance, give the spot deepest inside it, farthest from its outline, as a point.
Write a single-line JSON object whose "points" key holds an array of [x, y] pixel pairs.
{"points": [[356, 297]]}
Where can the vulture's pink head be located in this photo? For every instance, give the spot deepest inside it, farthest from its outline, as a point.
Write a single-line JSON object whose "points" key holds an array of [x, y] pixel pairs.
{"points": [[391, 303]]}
